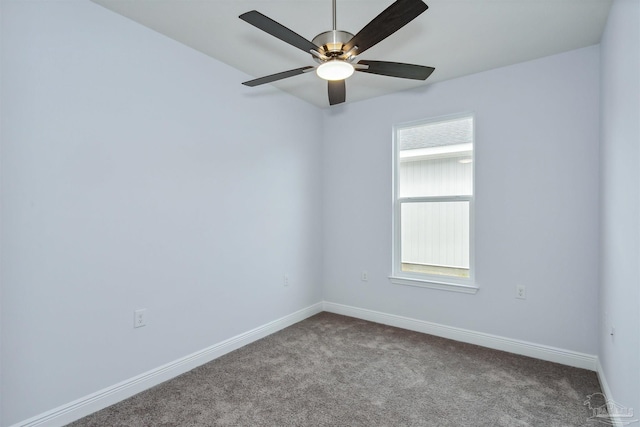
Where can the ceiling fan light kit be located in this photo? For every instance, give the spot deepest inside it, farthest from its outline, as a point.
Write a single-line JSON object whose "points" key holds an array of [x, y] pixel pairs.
{"points": [[335, 69], [336, 51]]}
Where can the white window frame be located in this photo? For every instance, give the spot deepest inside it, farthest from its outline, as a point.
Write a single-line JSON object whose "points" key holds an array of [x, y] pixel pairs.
{"points": [[432, 281]]}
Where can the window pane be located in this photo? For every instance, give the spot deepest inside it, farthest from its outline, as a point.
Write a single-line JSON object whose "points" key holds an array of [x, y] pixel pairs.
{"points": [[435, 159], [451, 176], [435, 238]]}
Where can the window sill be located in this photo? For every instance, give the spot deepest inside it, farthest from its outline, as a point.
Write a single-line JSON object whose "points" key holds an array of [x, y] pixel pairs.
{"points": [[434, 284]]}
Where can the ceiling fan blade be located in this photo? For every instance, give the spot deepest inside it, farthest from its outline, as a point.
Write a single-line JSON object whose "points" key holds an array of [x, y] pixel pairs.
{"points": [[388, 22], [275, 77], [272, 27], [337, 92], [397, 69]]}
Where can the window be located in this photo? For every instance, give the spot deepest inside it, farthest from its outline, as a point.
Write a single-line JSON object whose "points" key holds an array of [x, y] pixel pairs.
{"points": [[433, 204]]}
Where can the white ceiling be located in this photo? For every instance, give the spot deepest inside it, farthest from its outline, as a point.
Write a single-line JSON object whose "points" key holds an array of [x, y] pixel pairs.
{"points": [[457, 37]]}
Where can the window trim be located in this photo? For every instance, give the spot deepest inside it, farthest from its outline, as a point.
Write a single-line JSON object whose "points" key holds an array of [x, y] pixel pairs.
{"points": [[441, 282]]}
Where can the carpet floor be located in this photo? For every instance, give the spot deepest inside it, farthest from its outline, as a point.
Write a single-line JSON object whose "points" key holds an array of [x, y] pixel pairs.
{"points": [[332, 370]]}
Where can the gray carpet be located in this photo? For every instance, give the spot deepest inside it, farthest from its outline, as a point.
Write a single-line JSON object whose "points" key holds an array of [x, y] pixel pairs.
{"points": [[331, 370]]}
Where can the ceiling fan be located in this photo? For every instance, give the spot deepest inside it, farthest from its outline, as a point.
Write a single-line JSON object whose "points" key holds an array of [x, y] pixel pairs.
{"points": [[336, 51]]}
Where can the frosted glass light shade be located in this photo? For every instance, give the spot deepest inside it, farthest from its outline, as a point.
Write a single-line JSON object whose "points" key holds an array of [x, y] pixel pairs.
{"points": [[335, 70]]}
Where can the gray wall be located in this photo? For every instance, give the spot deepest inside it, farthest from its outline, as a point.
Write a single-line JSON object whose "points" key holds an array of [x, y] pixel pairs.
{"points": [[128, 163], [620, 232], [536, 224]]}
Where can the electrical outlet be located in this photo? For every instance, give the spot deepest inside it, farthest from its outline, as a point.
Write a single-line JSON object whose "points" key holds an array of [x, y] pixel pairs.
{"points": [[521, 292], [285, 280], [140, 318], [364, 276]]}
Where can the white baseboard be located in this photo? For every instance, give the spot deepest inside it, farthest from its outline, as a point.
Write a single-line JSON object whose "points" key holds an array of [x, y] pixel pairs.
{"points": [[615, 420], [538, 351], [99, 400], [603, 380]]}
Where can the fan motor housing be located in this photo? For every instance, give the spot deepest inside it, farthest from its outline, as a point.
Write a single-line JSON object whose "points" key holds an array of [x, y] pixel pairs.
{"points": [[332, 42]]}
